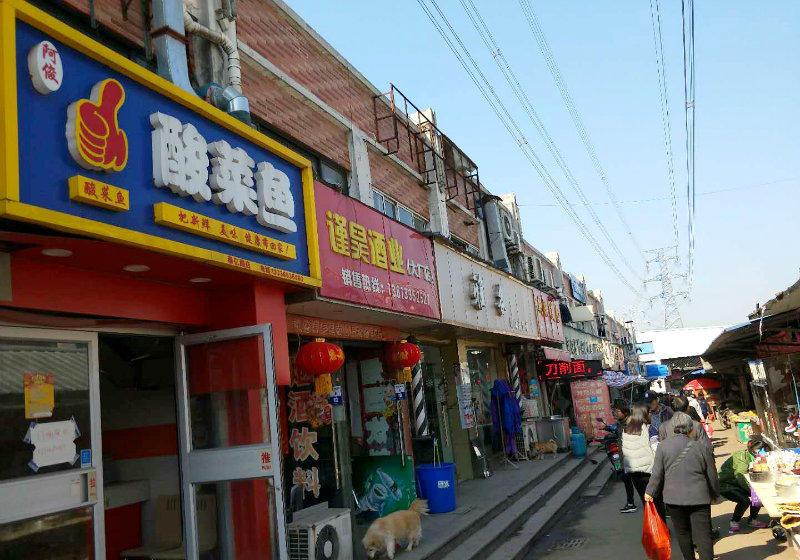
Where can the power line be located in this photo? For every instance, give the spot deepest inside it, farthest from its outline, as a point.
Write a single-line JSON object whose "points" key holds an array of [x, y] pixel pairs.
{"points": [[687, 19], [555, 72], [658, 46], [662, 198], [510, 76], [498, 108]]}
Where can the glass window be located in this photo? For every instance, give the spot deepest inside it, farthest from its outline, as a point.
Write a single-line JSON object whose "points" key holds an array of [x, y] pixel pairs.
{"points": [[421, 224], [227, 386], [377, 201], [44, 385], [389, 208], [405, 216], [332, 176], [67, 534]]}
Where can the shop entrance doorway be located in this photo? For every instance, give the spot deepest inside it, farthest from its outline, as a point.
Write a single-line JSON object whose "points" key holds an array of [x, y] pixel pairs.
{"points": [[229, 445], [137, 446]]}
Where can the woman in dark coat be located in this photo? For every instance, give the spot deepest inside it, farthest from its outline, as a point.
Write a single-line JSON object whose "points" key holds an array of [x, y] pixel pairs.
{"points": [[685, 476]]}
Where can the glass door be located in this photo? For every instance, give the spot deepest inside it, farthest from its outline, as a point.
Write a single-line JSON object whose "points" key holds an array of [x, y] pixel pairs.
{"points": [[229, 445], [51, 487]]}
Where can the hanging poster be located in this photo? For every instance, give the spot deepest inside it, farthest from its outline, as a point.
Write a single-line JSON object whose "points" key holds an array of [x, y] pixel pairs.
{"points": [[53, 443], [384, 484], [39, 393], [591, 401], [466, 410]]}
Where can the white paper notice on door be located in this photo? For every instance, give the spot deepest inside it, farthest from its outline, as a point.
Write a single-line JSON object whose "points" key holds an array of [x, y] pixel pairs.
{"points": [[53, 443]]}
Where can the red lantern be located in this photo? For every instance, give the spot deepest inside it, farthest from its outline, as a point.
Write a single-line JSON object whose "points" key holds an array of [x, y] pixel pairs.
{"points": [[403, 356], [320, 359]]}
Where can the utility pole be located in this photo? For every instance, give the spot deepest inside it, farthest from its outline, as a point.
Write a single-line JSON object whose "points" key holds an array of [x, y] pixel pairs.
{"points": [[664, 262]]}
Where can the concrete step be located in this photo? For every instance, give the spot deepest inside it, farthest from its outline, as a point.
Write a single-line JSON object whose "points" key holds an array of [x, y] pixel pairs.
{"points": [[497, 529], [443, 532], [516, 546]]}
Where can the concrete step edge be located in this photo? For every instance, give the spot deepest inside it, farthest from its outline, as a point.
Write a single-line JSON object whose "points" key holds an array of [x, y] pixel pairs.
{"points": [[479, 545], [480, 517], [520, 543]]}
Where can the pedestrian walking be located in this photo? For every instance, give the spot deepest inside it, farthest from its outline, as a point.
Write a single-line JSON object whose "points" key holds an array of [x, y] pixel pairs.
{"points": [[695, 405], [621, 411], [681, 404], [685, 477], [637, 450], [734, 486], [659, 413]]}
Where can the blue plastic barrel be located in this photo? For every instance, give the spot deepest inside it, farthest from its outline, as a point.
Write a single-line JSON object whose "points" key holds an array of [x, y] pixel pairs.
{"points": [[437, 484], [578, 441]]}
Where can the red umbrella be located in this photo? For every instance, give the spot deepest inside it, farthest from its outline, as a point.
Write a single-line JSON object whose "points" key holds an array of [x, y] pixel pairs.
{"points": [[703, 383]]}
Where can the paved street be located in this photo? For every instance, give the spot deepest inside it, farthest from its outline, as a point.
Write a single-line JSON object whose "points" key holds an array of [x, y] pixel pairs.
{"points": [[594, 528]]}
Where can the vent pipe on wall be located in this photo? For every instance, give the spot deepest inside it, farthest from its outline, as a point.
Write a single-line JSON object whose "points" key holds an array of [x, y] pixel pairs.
{"points": [[169, 42]]}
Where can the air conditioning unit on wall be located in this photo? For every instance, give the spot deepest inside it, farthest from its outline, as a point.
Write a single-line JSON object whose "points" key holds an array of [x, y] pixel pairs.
{"points": [[320, 533], [511, 234]]}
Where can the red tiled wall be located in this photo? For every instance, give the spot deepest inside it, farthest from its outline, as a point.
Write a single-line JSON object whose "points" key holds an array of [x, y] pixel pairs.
{"points": [[108, 14], [458, 228], [275, 104], [266, 28]]}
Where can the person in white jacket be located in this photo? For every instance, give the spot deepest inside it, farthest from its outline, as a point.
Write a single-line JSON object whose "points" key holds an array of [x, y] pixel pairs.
{"points": [[638, 453]]}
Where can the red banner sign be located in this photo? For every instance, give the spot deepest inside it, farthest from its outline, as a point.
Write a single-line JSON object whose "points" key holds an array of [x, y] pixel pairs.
{"points": [[370, 259], [341, 330], [548, 316]]}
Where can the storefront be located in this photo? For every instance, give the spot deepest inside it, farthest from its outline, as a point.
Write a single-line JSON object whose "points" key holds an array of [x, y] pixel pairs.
{"points": [[759, 365], [131, 214], [491, 320], [379, 288]]}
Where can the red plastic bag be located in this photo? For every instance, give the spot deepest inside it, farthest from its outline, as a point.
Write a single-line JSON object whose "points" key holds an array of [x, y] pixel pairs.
{"points": [[655, 535], [709, 429]]}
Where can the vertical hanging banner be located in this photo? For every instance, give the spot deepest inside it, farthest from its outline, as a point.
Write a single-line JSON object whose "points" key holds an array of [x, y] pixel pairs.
{"points": [[97, 145]]}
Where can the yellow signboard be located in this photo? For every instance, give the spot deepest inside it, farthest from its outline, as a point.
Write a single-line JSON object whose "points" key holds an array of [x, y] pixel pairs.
{"points": [[177, 218], [89, 191]]}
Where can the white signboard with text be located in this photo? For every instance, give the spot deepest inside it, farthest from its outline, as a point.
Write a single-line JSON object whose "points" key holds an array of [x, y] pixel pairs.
{"points": [[479, 297]]}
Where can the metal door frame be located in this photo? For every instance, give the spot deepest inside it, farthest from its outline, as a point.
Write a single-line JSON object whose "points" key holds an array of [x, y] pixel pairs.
{"points": [[210, 465], [7, 487]]}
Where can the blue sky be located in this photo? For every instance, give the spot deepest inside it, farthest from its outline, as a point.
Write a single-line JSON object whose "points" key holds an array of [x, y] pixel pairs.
{"points": [[748, 79]]}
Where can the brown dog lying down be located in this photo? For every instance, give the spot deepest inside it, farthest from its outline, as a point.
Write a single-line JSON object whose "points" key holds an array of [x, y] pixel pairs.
{"points": [[386, 532]]}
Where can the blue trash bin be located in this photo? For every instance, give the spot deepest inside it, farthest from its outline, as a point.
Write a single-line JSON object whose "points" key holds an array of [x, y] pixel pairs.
{"points": [[578, 442], [437, 484]]}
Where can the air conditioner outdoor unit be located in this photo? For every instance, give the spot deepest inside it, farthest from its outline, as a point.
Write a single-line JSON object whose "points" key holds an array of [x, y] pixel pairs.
{"points": [[320, 533], [511, 235]]}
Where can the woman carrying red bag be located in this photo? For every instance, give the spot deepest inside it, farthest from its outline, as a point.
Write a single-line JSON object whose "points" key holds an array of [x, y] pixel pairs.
{"points": [[685, 475]]}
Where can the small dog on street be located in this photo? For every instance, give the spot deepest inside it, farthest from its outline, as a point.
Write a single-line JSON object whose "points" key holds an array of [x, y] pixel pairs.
{"points": [[543, 447], [385, 533]]}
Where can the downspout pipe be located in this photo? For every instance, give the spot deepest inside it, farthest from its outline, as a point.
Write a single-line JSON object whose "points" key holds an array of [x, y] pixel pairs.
{"points": [[231, 49], [169, 42], [230, 98]]}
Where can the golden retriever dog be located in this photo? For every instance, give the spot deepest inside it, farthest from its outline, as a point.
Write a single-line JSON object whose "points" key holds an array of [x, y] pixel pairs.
{"points": [[386, 532], [543, 447]]}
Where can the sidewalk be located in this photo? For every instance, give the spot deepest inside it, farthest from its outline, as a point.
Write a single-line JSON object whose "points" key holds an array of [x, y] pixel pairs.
{"points": [[477, 501], [594, 528]]}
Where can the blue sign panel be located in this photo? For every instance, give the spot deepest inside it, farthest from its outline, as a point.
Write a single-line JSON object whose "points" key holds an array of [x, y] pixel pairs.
{"points": [[108, 149], [578, 289]]}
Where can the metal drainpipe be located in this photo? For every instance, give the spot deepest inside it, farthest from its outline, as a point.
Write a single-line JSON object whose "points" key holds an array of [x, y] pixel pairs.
{"points": [[169, 38], [230, 99]]}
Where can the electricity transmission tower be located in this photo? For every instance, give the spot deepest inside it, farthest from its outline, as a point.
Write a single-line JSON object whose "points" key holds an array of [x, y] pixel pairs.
{"points": [[663, 263]]}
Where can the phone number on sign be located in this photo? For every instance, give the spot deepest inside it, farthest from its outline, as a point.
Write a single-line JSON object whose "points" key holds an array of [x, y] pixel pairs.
{"points": [[410, 294]]}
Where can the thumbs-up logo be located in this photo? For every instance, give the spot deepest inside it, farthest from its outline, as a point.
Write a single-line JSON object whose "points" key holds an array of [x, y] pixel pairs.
{"points": [[94, 137]]}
